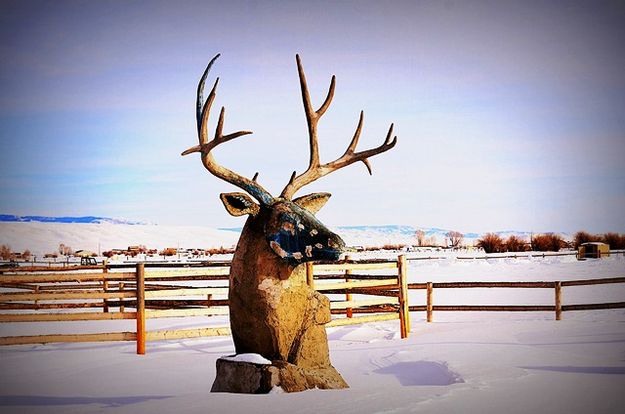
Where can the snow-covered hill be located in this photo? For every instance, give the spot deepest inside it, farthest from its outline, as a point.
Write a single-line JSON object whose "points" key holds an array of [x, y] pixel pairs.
{"points": [[84, 220], [42, 235], [41, 238]]}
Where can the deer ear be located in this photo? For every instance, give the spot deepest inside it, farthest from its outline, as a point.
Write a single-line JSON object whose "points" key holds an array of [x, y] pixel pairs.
{"points": [[313, 202], [239, 204]]}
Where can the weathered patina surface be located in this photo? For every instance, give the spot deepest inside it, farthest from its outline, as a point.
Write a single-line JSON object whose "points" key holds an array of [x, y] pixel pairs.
{"points": [[273, 312]]}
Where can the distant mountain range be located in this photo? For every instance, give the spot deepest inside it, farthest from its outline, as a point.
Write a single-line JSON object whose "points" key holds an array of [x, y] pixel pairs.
{"points": [[396, 233], [84, 220], [407, 234], [403, 230]]}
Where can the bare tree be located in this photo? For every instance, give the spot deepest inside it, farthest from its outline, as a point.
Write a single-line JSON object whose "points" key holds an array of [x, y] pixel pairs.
{"points": [[5, 252], [420, 235], [515, 244], [584, 237], [455, 238], [549, 242], [65, 250], [431, 241], [491, 243]]}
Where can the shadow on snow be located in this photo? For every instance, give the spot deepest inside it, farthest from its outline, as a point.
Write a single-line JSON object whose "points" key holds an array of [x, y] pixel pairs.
{"points": [[421, 373], [41, 400], [580, 370]]}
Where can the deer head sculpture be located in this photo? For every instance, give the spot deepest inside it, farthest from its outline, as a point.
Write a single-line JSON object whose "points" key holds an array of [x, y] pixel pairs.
{"points": [[272, 310]]}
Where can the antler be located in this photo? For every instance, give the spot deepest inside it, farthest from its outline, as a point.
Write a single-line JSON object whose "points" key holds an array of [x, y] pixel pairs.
{"points": [[315, 168], [205, 147]]}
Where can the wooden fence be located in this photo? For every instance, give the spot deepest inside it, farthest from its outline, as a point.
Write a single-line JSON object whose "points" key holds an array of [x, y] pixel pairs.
{"points": [[557, 307], [72, 296], [390, 291], [360, 292], [51, 295]]}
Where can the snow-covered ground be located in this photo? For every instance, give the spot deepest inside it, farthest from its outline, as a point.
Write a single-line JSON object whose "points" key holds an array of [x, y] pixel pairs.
{"points": [[44, 237], [41, 238], [463, 362]]}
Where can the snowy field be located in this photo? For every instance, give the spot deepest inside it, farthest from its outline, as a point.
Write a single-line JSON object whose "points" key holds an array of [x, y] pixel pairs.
{"points": [[463, 362], [44, 237]]}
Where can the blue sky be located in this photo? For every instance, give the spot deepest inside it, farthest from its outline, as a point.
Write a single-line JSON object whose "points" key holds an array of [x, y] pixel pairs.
{"points": [[509, 115]]}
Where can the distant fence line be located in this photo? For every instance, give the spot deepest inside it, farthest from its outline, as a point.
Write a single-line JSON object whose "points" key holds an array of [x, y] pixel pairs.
{"points": [[42, 265], [511, 255], [49, 294]]}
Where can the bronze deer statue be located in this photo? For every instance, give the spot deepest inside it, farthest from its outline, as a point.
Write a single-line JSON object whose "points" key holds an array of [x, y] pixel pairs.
{"points": [[273, 312]]}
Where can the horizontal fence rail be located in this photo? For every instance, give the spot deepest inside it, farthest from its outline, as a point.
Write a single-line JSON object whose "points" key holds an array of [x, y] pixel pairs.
{"points": [[359, 291]]}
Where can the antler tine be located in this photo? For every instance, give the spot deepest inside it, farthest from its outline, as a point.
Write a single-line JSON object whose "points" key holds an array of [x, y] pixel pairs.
{"points": [[205, 146], [328, 100], [354, 142], [312, 116], [351, 157], [304, 87], [219, 131], [315, 169], [200, 91], [292, 177], [203, 112]]}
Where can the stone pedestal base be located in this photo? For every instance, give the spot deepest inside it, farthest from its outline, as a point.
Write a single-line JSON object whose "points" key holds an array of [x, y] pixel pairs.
{"points": [[244, 377], [252, 378]]}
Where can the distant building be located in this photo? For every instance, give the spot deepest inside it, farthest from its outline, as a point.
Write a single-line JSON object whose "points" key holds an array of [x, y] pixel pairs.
{"points": [[593, 250], [84, 253], [135, 250], [169, 251]]}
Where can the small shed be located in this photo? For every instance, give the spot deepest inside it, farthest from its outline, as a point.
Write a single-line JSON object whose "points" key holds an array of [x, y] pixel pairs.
{"points": [[84, 253], [593, 250]]}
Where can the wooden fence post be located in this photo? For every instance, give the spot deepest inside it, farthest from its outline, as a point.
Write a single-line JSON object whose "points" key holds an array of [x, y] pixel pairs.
{"points": [[105, 286], [310, 275], [430, 306], [404, 307], [121, 289], [105, 302], [348, 296], [558, 287], [140, 309]]}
